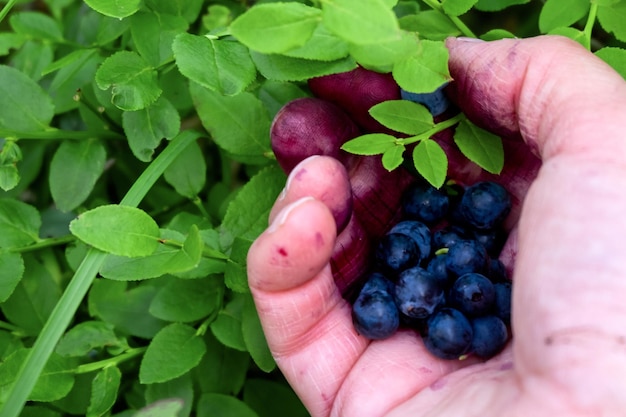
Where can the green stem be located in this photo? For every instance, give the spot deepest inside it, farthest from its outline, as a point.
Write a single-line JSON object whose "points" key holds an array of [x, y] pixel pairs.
{"points": [[198, 203], [10, 327], [6, 9], [45, 243], [436, 5], [78, 286], [435, 129], [59, 134], [206, 252], [114, 361], [591, 20]]}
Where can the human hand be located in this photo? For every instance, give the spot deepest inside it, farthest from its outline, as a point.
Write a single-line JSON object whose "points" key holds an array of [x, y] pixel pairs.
{"points": [[568, 354]]}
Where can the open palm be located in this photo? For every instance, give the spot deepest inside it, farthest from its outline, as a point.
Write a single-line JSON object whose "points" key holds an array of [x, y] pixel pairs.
{"points": [[557, 104]]}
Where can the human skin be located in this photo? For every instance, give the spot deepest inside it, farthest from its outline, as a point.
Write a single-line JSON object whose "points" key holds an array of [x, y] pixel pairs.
{"points": [[548, 97]]}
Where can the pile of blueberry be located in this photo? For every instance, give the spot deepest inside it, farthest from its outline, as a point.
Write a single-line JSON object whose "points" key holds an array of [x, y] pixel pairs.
{"points": [[437, 271]]}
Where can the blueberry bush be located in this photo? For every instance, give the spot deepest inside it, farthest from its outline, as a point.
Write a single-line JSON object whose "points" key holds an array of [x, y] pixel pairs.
{"points": [[136, 169]]}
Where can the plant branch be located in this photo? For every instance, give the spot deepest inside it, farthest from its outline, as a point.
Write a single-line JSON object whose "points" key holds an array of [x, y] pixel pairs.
{"points": [[436, 5], [434, 130], [114, 361], [591, 20]]}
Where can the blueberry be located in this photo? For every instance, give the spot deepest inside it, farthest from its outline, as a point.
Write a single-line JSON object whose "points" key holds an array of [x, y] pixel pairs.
{"points": [[437, 267], [492, 240], [496, 271], [437, 102], [502, 304], [444, 238], [448, 334], [485, 205], [419, 232], [425, 203], [374, 312], [396, 252], [473, 294], [418, 293], [490, 336], [465, 256]]}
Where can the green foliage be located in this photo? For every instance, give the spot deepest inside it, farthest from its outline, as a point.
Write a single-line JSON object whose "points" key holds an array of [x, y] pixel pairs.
{"points": [[135, 148]]}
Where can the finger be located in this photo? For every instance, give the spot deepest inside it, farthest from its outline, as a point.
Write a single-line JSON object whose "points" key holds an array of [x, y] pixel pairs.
{"points": [[567, 305]]}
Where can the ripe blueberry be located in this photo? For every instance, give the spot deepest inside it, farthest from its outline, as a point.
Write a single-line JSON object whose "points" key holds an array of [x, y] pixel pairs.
{"points": [[418, 293], [396, 251], [449, 334], [502, 303], [485, 204], [425, 203], [490, 336], [473, 294], [419, 232], [374, 312], [465, 256], [437, 102]]}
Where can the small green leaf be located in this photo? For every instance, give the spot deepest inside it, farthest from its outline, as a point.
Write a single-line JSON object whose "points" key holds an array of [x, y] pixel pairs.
{"points": [[479, 146], [235, 272], [276, 27], [74, 170], [187, 173], [392, 158], [227, 326], [254, 337], [431, 162], [224, 66], [403, 116], [104, 389], [19, 222], [370, 144], [184, 300], [181, 388], [247, 213], [173, 351], [425, 70], [560, 13], [361, 21], [497, 5], [25, 105], [430, 24], [457, 7], [154, 33], [275, 94], [222, 369], [8, 41], [170, 407], [321, 46], [36, 25], [146, 128], [133, 82], [286, 68], [497, 34], [611, 18], [9, 343], [213, 404], [572, 33], [86, 336], [218, 16], [381, 56], [120, 230], [115, 8], [615, 57], [239, 124], [11, 272]]}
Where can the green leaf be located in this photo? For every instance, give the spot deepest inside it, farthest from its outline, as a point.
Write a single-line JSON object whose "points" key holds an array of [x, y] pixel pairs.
{"points": [[370, 144], [36, 25], [217, 16], [239, 124], [8, 41], [154, 33], [615, 57], [393, 157], [189, 9], [559, 13], [104, 390], [381, 57], [457, 7], [276, 27], [213, 404], [180, 388], [32, 58], [170, 407], [19, 222], [120, 230], [74, 170], [183, 300], [86, 336], [403, 116], [479, 146], [9, 343], [126, 309], [285, 68], [25, 105], [227, 326], [110, 29], [256, 392], [247, 213], [611, 18], [572, 33], [321, 46], [146, 128], [133, 82], [55, 381], [254, 337], [431, 162], [187, 174], [430, 24], [497, 5], [497, 34], [361, 21], [222, 369], [173, 351], [425, 70], [235, 272], [11, 272], [115, 8], [275, 94], [224, 66]]}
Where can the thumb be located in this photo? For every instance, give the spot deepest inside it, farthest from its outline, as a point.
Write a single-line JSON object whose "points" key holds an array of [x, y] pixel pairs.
{"points": [[568, 106]]}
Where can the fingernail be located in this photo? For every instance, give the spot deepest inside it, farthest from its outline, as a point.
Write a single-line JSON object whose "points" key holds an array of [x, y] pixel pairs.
{"points": [[282, 216]]}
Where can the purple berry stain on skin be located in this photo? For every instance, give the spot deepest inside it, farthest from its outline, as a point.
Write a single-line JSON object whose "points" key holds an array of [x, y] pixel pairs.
{"points": [[282, 251]]}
